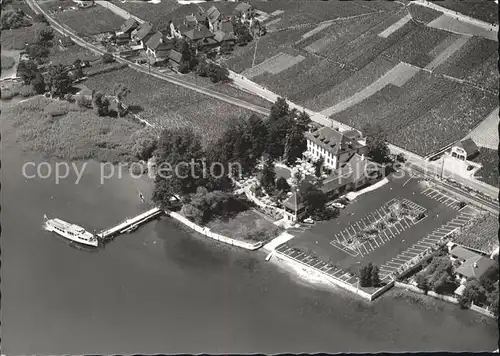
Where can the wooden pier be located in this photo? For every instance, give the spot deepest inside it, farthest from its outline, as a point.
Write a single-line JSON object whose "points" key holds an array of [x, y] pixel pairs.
{"points": [[129, 224]]}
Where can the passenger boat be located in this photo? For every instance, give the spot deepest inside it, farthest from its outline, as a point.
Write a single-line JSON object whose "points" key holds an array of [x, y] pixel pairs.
{"points": [[72, 232]]}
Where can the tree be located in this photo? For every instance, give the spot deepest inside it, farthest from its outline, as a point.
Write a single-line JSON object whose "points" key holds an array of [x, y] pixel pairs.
{"points": [[313, 198], [78, 69], [282, 185], [45, 35], [192, 213], [120, 91], [27, 71], [58, 80], [279, 109], [376, 142], [145, 143], [107, 58], [422, 283], [11, 19], [38, 84], [365, 275], [257, 134], [38, 51], [473, 293], [268, 179], [375, 277], [179, 155], [318, 167], [100, 104], [219, 74], [493, 300]]}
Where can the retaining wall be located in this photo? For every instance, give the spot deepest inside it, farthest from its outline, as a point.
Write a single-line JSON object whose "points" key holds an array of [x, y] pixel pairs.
{"points": [[206, 231], [430, 293], [338, 282]]}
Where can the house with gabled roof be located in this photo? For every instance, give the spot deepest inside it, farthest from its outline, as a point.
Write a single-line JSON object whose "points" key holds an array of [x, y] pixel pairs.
{"points": [[142, 33], [333, 146], [464, 150], [243, 10], [201, 37], [158, 47], [174, 59], [128, 26]]}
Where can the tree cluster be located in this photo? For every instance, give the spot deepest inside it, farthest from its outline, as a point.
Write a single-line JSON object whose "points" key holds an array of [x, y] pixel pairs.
{"points": [[40, 49], [369, 276], [30, 74], [438, 276], [14, 18], [215, 72], [376, 143], [204, 206]]}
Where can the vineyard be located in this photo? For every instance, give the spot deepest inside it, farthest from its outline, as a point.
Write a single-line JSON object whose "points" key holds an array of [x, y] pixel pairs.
{"points": [[170, 105], [482, 236]]}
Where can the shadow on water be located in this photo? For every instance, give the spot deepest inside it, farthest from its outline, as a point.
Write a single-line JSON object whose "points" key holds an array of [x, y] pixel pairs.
{"points": [[190, 251]]}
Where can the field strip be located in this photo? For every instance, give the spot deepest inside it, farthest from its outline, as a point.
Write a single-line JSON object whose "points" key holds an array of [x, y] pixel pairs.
{"points": [[314, 31], [486, 134], [272, 22], [261, 67], [395, 26], [284, 65], [451, 24], [400, 70], [448, 52]]}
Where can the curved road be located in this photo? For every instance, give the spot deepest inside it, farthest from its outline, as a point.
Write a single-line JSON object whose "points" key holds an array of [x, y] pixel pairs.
{"points": [[65, 31]]}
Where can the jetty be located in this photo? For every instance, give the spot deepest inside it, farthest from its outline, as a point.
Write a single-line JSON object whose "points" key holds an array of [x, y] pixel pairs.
{"points": [[129, 224]]}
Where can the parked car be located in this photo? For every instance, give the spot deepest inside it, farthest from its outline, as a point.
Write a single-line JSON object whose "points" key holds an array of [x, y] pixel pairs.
{"points": [[309, 221], [338, 205]]}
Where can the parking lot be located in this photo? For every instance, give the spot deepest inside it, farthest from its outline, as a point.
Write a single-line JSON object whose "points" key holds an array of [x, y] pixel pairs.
{"points": [[323, 243], [345, 236], [426, 244], [442, 198]]}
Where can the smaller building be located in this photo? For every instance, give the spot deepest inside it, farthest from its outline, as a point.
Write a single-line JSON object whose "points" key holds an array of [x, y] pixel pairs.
{"points": [[293, 208], [142, 33], [243, 10], [130, 25], [465, 150]]}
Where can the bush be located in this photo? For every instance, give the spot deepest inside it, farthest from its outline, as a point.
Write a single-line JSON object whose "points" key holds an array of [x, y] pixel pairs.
{"points": [[146, 141], [69, 98], [7, 62], [192, 213], [7, 94], [84, 102], [184, 68], [107, 58]]}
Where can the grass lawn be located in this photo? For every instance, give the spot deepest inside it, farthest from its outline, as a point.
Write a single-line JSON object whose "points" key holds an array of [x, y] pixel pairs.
{"points": [[489, 173], [10, 90], [170, 105], [245, 224], [479, 9], [7, 62], [155, 13], [423, 14], [18, 4], [90, 21], [68, 55], [63, 130], [17, 39]]}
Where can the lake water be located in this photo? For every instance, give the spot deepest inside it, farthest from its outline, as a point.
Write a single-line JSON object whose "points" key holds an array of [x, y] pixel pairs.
{"points": [[164, 289]]}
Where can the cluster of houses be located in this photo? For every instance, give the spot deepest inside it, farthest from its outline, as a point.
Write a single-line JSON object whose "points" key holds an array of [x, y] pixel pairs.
{"points": [[203, 31]]}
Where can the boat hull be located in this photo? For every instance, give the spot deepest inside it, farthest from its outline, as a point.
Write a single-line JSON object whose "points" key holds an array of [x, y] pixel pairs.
{"points": [[93, 243]]}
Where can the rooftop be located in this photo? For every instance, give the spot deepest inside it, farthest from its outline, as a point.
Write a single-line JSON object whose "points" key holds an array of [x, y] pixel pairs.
{"points": [[155, 40], [462, 253], [475, 266], [242, 7], [142, 31], [333, 141], [469, 146], [128, 25], [199, 33]]}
